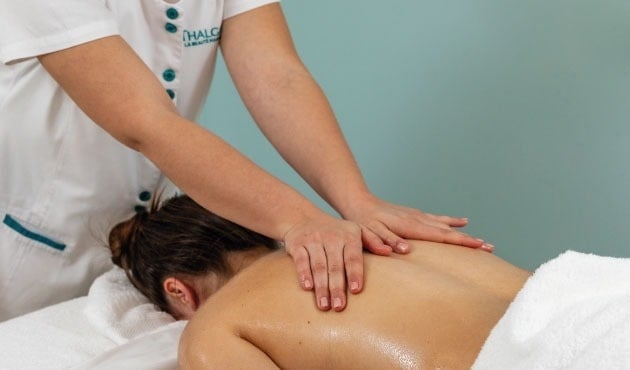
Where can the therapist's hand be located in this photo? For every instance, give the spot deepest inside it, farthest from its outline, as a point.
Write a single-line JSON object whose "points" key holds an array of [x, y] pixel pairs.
{"points": [[326, 252], [385, 226]]}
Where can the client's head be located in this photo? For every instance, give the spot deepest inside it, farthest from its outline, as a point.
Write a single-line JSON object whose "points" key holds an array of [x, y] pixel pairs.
{"points": [[178, 253]]}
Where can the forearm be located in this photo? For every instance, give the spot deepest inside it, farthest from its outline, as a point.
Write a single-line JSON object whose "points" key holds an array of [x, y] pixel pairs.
{"points": [[303, 128], [135, 110], [223, 180], [289, 106]]}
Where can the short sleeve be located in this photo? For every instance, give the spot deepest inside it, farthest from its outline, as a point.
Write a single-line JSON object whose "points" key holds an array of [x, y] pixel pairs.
{"points": [[34, 27], [234, 7]]}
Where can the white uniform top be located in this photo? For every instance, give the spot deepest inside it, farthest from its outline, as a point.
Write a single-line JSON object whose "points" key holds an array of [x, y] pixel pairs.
{"points": [[64, 182]]}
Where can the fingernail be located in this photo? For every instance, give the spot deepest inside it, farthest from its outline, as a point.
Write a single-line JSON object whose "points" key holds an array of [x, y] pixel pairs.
{"points": [[337, 303], [481, 240], [323, 302], [402, 247], [354, 286], [307, 284], [488, 247]]}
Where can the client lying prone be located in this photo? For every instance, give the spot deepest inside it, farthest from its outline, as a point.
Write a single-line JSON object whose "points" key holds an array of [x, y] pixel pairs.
{"points": [[433, 307]]}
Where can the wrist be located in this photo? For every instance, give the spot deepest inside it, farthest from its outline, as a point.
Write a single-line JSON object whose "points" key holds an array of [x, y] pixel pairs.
{"points": [[304, 214], [356, 204]]}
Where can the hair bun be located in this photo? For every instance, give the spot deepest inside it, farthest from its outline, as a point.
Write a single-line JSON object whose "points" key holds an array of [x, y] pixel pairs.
{"points": [[122, 237]]}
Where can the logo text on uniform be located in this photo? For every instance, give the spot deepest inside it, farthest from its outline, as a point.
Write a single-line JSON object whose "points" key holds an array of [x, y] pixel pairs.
{"points": [[202, 36]]}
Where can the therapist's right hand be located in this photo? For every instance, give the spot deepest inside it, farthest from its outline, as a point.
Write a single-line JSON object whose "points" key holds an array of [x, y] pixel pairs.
{"points": [[326, 252]]}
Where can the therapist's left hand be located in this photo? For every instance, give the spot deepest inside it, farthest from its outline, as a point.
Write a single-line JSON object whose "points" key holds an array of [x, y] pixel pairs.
{"points": [[386, 226]]}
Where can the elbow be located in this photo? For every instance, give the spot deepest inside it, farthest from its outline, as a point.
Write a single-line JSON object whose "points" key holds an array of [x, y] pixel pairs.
{"points": [[131, 142]]}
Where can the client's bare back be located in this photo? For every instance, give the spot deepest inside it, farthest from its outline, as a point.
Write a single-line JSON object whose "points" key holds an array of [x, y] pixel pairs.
{"points": [[432, 308]]}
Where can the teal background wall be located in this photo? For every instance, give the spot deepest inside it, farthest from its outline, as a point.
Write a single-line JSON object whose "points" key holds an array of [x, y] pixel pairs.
{"points": [[515, 114]]}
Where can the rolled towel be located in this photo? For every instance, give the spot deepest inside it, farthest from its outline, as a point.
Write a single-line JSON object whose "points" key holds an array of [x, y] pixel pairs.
{"points": [[573, 313], [119, 311]]}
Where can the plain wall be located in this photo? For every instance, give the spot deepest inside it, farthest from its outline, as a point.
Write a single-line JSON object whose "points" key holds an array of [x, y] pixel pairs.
{"points": [[514, 114]]}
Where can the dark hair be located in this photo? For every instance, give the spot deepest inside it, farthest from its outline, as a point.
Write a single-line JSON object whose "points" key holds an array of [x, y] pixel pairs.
{"points": [[178, 238]]}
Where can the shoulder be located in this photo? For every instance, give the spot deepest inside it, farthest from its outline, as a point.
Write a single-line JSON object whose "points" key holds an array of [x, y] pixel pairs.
{"points": [[223, 324]]}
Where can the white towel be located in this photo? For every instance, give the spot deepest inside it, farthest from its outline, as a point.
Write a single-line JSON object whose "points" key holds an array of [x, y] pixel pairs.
{"points": [[573, 313], [153, 351], [73, 332], [119, 311], [56, 337]]}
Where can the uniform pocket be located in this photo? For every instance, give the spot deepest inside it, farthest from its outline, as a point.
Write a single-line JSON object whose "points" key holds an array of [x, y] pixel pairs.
{"points": [[30, 262], [31, 232]]}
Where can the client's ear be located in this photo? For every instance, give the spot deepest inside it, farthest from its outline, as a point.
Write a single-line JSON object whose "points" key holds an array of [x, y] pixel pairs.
{"points": [[181, 296]]}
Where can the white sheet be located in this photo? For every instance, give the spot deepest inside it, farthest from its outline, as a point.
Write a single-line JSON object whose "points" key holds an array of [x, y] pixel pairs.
{"points": [[573, 313], [73, 332], [56, 337], [153, 351]]}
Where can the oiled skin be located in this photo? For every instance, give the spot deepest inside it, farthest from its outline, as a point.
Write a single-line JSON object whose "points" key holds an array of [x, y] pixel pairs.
{"points": [[432, 308]]}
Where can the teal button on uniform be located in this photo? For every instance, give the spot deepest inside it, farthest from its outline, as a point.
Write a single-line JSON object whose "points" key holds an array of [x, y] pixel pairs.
{"points": [[170, 93], [170, 27], [168, 75], [140, 209], [144, 196], [172, 13]]}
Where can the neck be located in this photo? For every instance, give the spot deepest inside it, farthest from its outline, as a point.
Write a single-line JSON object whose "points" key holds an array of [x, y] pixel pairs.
{"points": [[237, 261], [241, 260]]}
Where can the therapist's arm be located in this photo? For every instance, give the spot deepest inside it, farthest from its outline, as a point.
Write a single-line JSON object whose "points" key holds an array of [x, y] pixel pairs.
{"points": [[296, 117], [118, 91]]}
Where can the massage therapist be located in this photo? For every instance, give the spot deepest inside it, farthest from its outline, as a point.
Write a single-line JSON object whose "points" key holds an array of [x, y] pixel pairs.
{"points": [[98, 100]]}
